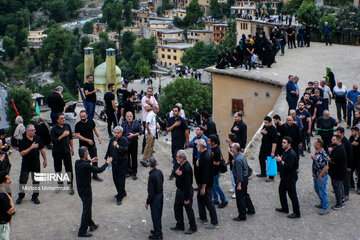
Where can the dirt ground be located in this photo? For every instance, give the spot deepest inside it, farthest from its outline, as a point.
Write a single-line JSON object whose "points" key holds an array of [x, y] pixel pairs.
{"points": [[58, 215]]}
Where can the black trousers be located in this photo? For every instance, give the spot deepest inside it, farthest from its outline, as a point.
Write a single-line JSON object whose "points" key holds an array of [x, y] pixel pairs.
{"points": [[86, 219], [247, 61], [59, 158], [288, 185], [144, 139], [206, 202], [327, 141], [339, 107], [93, 153], [175, 147], [24, 177], [292, 102], [119, 175], [132, 157], [111, 120], [262, 160], [243, 200], [178, 210], [156, 208]]}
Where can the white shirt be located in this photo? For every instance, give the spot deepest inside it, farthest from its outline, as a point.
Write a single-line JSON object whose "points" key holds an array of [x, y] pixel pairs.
{"points": [[144, 104], [182, 113], [340, 91], [151, 119], [327, 91]]}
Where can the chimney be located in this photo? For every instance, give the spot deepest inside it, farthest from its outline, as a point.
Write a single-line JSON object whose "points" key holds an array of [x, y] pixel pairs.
{"points": [[110, 66], [88, 62]]}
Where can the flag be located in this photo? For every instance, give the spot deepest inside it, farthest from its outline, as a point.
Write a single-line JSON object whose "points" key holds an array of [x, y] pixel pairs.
{"points": [[37, 109], [81, 93], [16, 111]]}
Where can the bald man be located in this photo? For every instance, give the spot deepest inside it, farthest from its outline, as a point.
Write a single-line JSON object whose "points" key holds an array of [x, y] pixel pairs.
{"points": [[325, 126]]}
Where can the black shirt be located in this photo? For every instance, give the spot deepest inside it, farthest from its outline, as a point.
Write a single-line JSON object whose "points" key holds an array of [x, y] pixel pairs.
{"points": [[178, 136], [241, 133], [210, 128], [204, 172], [289, 169], [83, 170], [86, 131], [56, 103], [185, 180], [4, 207], [349, 153], [90, 88], [108, 98], [294, 133], [216, 156], [282, 131], [326, 124], [123, 95], [309, 105], [43, 132], [268, 139], [356, 151], [62, 146], [129, 106], [337, 166], [5, 164], [119, 155], [319, 105], [32, 159], [155, 184], [248, 46]]}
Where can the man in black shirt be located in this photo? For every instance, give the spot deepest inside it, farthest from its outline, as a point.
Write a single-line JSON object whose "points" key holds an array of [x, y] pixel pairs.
{"points": [[268, 145], [349, 160], [30, 147], [122, 95], [282, 131], [129, 105], [295, 134], [155, 197], [63, 148], [355, 143], [325, 126], [84, 131], [204, 180], [111, 111], [248, 52], [337, 170], [117, 149], [179, 136], [83, 170], [90, 96], [239, 128], [288, 178], [209, 125], [56, 103], [7, 208], [184, 194]]}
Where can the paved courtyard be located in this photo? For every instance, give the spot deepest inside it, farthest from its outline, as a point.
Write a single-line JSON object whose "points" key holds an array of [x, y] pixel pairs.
{"points": [[58, 215]]}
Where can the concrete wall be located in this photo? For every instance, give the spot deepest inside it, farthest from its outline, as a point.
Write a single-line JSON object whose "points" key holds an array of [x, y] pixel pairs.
{"points": [[256, 107], [164, 60]]}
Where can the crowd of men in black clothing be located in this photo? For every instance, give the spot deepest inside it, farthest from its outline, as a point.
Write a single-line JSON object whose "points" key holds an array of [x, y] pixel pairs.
{"points": [[250, 51]]}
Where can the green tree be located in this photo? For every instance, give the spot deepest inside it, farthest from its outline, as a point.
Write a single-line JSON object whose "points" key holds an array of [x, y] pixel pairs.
{"points": [[230, 38], [331, 20], [292, 6], [192, 94], [2, 76], [231, 2], [128, 14], [58, 11], [194, 12], [23, 102], [9, 47], [127, 44], [142, 68], [147, 47], [200, 56], [126, 70], [279, 6], [88, 28], [309, 13], [21, 39], [178, 22], [47, 89], [215, 9]]}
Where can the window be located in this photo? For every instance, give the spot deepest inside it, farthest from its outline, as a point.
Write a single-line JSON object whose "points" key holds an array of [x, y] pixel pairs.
{"points": [[178, 34], [163, 49], [174, 57], [162, 55], [168, 56], [237, 106], [174, 50], [169, 50]]}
